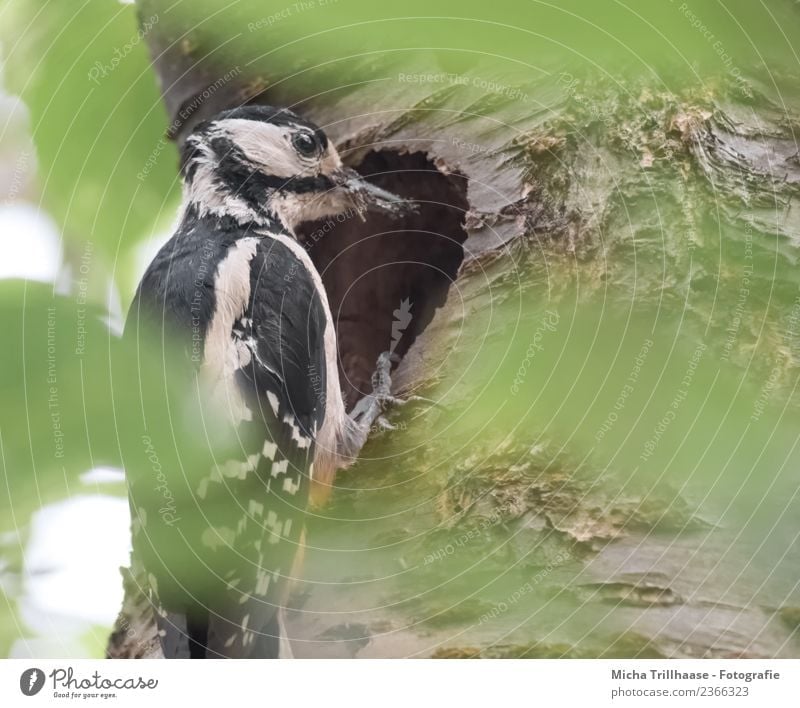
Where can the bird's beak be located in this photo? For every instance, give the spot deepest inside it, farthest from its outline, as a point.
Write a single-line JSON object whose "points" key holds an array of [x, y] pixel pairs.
{"points": [[368, 197]]}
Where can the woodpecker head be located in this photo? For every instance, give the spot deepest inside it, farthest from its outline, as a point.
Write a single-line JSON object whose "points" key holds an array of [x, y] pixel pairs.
{"points": [[255, 163]]}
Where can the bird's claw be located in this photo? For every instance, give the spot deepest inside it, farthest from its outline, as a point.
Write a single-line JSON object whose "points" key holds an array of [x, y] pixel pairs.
{"points": [[383, 424], [413, 399], [368, 412]]}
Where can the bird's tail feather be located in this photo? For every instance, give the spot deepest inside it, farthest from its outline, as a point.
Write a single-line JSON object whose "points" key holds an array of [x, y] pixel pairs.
{"points": [[200, 634]]}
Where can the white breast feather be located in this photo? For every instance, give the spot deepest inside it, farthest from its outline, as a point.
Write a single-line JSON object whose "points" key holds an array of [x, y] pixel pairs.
{"points": [[223, 354]]}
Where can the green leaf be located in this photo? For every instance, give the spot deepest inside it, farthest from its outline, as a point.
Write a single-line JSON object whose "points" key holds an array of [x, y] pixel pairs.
{"points": [[75, 396], [106, 171]]}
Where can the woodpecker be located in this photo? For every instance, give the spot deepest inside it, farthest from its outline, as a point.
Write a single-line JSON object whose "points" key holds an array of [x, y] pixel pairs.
{"points": [[240, 290]]}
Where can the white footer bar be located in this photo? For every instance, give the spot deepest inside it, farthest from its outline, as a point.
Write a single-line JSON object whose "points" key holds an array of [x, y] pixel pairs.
{"points": [[410, 684]]}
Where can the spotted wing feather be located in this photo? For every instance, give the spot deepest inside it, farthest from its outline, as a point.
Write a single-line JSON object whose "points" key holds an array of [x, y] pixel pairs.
{"points": [[221, 597]]}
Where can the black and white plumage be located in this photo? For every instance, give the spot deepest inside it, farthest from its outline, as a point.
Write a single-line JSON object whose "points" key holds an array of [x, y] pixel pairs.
{"points": [[244, 296]]}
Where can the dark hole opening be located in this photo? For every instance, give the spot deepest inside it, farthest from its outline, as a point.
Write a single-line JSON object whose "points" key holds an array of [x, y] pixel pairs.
{"points": [[386, 276]]}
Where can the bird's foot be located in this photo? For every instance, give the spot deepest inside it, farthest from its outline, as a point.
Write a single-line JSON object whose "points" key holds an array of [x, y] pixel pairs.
{"points": [[368, 412], [371, 407]]}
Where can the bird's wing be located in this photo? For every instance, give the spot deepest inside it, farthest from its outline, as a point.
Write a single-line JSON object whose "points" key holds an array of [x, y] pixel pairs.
{"points": [[281, 378], [219, 574]]}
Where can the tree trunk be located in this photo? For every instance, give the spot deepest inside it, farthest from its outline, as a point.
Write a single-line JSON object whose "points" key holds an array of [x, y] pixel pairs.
{"points": [[474, 528]]}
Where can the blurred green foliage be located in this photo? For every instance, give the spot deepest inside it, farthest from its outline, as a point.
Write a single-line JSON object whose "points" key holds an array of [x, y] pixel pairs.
{"points": [[96, 118], [310, 41], [108, 175], [74, 399]]}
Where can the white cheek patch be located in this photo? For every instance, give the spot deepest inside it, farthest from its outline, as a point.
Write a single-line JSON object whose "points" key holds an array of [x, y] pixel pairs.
{"points": [[265, 144], [294, 209], [330, 160]]}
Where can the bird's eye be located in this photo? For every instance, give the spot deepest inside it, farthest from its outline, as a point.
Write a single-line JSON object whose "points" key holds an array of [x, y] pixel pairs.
{"points": [[306, 144]]}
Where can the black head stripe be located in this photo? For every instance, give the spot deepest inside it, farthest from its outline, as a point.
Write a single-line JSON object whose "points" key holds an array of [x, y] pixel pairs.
{"points": [[190, 151], [248, 182], [300, 185], [234, 172]]}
